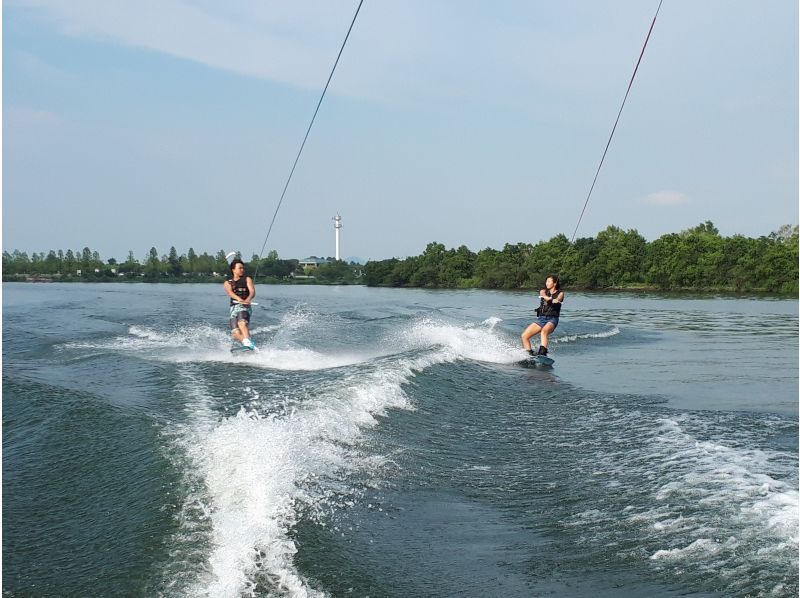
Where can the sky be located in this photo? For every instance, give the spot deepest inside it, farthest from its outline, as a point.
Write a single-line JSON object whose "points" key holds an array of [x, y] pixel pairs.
{"points": [[159, 123]]}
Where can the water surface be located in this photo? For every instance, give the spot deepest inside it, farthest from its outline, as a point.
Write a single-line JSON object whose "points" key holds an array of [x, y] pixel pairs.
{"points": [[385, 442]]}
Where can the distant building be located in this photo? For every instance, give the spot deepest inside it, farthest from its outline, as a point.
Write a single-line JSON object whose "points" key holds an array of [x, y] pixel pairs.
{"points": [[313, 262]]}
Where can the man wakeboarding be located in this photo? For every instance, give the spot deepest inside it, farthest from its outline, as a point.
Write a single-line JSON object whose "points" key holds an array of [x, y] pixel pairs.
{"points": [[242, 291]]}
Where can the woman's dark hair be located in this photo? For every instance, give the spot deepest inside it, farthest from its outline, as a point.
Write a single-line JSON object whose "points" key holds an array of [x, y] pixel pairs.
{"points": [[234, 262], [556, 281]]}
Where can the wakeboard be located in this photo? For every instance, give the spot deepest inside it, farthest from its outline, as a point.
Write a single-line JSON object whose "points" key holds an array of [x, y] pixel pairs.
{"points": [[537, 360], [242, 349]]}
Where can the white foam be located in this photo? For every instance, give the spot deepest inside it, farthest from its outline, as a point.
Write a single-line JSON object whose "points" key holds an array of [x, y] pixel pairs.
{"points": [[703, 547], [145, 333], [267, 357], [727, 481], [574, 337], [251, 475], [700, 499], [279, 350], [478, 343], [252, 468], [675, 524], [264, 329], [260, 469], [205, 344], [492, 321]]}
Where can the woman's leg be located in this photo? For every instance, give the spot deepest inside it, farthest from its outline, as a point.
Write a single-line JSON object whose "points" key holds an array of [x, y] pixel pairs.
{"points": [[548, 328], [529, 332]]}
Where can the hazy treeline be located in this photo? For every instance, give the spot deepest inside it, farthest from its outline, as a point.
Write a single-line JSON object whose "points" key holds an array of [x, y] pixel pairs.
{"points": [[86, 265], [697, 258]]}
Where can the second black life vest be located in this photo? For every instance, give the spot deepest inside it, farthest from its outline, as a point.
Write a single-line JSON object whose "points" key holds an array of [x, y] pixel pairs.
{"points": [[549, 309]]}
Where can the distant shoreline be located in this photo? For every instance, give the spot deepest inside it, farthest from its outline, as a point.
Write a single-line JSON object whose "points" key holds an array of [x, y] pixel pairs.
{"points": [[632, 289], [144, 280]]}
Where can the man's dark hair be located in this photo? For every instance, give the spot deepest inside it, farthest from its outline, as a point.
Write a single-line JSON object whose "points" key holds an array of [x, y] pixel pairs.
{"points": [[234, 262]]}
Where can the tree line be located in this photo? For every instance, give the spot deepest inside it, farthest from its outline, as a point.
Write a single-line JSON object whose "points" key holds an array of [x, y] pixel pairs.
{"points": [[86, 265], [695, 259]]}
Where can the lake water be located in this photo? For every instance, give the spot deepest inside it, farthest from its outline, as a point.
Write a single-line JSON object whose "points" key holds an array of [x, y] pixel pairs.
{"points": [[385, 442]]}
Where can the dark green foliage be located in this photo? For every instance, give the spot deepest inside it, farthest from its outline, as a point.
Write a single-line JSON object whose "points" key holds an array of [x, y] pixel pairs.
{"points": [[697, 259], [190, 267], [271, 267], [336, 272], [378, 273]]}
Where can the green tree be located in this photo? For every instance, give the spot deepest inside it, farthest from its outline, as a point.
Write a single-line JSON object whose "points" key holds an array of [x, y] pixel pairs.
{"points": [[70, 263], [511, 264], [205, 264], [543, 260], [152, 265], [378, 273], [51, 264], [191, 261], [336, 271], [221, 263], [22, 263], [456, 268], [487, 269], [174, 262], [777, 267], [36, 263], [130, 266], [620, 258]]}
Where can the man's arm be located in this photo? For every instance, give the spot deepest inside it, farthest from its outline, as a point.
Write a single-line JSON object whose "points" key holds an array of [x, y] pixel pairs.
{"points": [[252, 289], [230, 293]]}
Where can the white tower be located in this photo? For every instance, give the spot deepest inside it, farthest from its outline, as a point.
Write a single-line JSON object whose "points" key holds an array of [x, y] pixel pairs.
{"points": [[337, 225]]}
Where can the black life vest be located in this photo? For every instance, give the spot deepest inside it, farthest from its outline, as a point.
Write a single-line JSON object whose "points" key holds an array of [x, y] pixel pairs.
{"points": [[548, 308], [239, 288]]}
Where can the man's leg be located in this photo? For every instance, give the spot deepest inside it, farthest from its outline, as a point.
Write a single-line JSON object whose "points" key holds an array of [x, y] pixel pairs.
{"points": [[243, 329]]}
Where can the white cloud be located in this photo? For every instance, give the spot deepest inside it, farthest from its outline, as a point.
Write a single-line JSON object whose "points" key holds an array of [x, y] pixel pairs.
{"points": [[246, 38], [667, 198], [396, 50]]}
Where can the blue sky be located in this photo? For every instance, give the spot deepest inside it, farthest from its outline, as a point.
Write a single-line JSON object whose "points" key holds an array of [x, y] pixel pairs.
{"points": [[128, 125]]}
